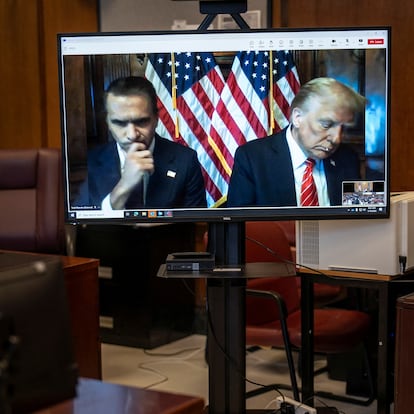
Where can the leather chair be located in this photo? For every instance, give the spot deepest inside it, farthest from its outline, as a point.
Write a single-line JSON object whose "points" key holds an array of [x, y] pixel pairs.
{"points": [[31, 201], [273, 313]]}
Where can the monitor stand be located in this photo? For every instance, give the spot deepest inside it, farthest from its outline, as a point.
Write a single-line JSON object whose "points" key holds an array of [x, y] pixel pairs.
{"points": [[225, 314], [226, 337], [232, 7], [226, 295], [226, 319]]}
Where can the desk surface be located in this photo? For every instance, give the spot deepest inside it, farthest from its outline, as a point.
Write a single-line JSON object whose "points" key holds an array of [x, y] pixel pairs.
{"points": [[106, 398], [348, 274]]}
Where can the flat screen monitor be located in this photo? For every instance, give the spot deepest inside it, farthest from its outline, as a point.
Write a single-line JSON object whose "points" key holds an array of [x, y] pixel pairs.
{"points": [[37, 361], [232, 133]]}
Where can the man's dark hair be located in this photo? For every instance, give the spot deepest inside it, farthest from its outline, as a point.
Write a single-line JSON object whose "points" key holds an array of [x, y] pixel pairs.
{"points": [[133, 86]]}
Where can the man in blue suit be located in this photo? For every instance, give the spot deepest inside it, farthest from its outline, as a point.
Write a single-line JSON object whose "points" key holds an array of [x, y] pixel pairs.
{"points": [[138, 168], [269, 171]]}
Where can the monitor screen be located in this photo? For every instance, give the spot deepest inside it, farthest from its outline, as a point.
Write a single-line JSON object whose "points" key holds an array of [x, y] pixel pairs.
{"points": [[225, 125], [37, 359]]}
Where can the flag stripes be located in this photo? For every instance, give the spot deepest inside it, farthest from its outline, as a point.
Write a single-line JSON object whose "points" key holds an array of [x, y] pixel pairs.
{"points": [[200, 109]]}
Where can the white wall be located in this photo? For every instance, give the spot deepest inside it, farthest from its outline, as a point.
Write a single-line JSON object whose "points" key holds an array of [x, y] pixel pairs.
{"points": [[136, 15]]}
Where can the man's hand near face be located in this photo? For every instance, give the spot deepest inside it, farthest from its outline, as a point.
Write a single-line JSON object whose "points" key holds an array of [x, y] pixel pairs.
{"points": [[138, 162]]}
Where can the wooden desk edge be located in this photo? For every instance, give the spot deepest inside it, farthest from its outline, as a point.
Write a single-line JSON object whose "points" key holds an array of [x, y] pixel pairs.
{"points": [[70, 261], [345, 274], [92, 395]]}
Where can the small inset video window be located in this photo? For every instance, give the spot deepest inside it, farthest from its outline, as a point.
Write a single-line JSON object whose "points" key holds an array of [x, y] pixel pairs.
{"points": [[363, 193]]}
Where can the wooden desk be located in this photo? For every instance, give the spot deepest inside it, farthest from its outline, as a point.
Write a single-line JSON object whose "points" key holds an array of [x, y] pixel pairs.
{"points": [[106, 398], [388, 288], [81, 277]]}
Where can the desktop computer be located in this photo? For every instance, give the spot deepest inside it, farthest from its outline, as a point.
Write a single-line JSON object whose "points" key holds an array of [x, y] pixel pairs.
{"points": [[383, 246]]}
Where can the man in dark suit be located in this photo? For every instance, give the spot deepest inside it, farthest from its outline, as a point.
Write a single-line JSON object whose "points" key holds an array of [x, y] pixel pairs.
{"points": [[138, 168], [269, 171]]}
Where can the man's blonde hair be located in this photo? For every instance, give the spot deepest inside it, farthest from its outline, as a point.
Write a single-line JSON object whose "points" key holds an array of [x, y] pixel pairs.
{"points": [[328, 88]]}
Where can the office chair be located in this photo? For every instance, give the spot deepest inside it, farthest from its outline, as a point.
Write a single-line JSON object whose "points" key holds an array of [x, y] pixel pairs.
{"points": [[31, 201], [273, 313]]}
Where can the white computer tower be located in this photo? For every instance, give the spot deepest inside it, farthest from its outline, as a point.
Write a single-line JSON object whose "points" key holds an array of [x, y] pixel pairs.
{"points": [[380, 246]]}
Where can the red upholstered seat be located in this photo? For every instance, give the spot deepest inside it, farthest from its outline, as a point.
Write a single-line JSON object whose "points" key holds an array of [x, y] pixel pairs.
{"points": [[335, 330]]}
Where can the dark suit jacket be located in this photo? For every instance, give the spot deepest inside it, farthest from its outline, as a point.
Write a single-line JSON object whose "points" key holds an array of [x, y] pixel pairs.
{"points": [[263, 173], [176, 182]]}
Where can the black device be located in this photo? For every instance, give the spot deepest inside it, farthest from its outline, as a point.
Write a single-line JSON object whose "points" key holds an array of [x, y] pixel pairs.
{"points": [[190, 261], [36, 354]]}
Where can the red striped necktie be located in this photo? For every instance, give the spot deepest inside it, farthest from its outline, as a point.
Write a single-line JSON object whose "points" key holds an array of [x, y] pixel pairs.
{"points": [[308, 194]]}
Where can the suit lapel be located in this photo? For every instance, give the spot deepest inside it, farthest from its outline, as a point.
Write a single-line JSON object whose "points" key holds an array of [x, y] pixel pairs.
{"points": [[108, 168], [332, 180], [165, 168], [283, 164]]}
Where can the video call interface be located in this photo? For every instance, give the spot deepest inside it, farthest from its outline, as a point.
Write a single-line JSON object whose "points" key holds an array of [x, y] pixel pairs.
{"points": [[217, 91]]}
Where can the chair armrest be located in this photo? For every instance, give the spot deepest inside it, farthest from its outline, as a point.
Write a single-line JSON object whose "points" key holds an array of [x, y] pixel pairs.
{"points": [[267, 294]]}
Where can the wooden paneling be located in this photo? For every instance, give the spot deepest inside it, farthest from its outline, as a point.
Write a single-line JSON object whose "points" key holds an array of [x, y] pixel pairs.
{"points": [[61, 16], [399, 14], [29, 74], [20, 104]]}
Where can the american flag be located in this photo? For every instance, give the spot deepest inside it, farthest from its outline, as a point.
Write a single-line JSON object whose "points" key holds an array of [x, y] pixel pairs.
{"points": [[243, 110], [255, 100], [213, 116], [188, 86], [285, 85]]}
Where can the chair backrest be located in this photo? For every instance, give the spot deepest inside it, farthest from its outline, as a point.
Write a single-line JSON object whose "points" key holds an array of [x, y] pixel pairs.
{"points": [[260, 236], [289, 228], [264, 235], [31, 200]]}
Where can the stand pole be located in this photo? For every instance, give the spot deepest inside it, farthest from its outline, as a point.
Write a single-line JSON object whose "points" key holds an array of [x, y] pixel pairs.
{"points": [[226, 297], [226, 339]]}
